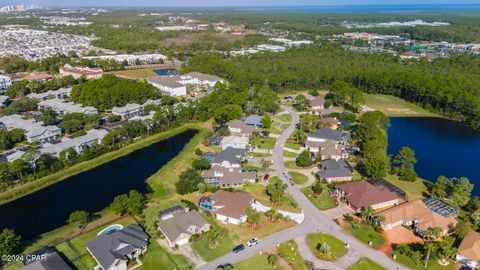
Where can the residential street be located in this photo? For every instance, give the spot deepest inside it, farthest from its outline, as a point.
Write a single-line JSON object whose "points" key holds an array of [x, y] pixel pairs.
{"points": [[315, 220]]}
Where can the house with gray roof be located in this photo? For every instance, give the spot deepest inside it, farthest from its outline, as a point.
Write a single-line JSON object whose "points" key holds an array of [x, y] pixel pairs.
{"points": [[323, 134], [93, 136], [63, 107], [219, 176], [180, 227], [113, 250], [335, 171], [34, 131], [48, 261], [128, 111], [228, 158], [254, 120], [239, 128]]}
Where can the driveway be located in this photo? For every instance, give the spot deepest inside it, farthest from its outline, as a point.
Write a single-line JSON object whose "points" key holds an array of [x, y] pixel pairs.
{"points": [[315, 220], [338, 211]]}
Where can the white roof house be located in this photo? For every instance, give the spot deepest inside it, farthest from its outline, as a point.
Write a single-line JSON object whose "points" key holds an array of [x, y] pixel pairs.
{"points": [[63, 107], [234, 142], [34, 131], [61, 93], [177, 85], [128, 111], [78, 144]]}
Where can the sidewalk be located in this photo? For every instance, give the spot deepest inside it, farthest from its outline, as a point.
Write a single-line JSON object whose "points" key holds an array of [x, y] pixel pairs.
{"points": [[297, 217]]}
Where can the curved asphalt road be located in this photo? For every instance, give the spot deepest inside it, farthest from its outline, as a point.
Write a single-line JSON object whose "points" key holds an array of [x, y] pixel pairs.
{"points": [[315, 221]]}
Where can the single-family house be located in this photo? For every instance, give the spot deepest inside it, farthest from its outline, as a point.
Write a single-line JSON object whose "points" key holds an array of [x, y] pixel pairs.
{"points": [[113, 250], [128, 111], [416, 214], [323, 134], [327, 149], [254, 121], [50, 260], [234, 142], [228, 158], [469, 250], [239, 128], [170, 212], [317, 104], [180, 227], [228, 207], [223, 177], [360, 194], [331, 122], [335, 171]]}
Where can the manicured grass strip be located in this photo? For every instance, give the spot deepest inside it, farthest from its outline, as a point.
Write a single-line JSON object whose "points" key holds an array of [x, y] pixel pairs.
{"points": [[366, 233], [289, 154], [410, 263], [258, 261], [261, 154], [284, 117], [158, 258], [298, 178], [294, 146], [208, 253], [322, 201], [366, 264], [394, 106], [337, 247], [264, 143], [289, 251]]}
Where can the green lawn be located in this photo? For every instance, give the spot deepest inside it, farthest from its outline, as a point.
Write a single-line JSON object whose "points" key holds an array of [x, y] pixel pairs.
{"points": [[289, 154], [202, 247], [284, 126], [284, 117], [294, 146], [289, 251], [410, 263], [337, 247], [366, 233], [394, 106], [264, 143], [322, 201], [258, 261], [298, 178], [414, 190], [261, 154], [366, 264], [159, 258]]}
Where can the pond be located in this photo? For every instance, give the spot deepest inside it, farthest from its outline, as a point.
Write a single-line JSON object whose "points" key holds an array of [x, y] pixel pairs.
{"points": [[166, 72], [92, 191], [442, 147]]}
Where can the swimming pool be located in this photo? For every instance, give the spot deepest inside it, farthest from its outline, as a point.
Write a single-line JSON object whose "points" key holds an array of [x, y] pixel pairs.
{"points": [[110, 229], [166, 72]]}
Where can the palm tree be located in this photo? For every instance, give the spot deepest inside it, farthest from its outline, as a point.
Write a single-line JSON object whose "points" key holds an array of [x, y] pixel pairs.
{"points": [[272, 259], [429, 235], [367, 212], [324, 249]]}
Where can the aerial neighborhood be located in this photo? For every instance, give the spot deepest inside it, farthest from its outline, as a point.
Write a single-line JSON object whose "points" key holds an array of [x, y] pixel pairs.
{"points": [[238, 140]]}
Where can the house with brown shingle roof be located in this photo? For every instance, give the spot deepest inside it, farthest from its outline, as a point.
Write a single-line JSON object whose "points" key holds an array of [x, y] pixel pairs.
{"points": [[229, 207], [469, 250], [178, 228], [416, 214], [239, 128], [317, 104], [327, 149], [361, 194]]}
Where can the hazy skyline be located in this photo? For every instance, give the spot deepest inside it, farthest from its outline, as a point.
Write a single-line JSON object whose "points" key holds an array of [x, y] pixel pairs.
{"points": [[220, 3]]}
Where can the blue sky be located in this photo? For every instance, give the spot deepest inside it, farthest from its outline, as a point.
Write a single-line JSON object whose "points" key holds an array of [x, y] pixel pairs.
{"points": [[189, 3]]}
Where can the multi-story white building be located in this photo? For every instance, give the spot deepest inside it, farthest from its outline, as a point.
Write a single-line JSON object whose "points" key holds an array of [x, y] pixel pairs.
{"points": [[169, 85], [128, 111], [34, 131], [61, 93], [63, 107], [77, 72], [177, 85]]}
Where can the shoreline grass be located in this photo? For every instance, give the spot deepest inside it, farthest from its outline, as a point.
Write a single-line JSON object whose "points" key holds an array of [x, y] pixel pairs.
{"points": [[31, 187]]}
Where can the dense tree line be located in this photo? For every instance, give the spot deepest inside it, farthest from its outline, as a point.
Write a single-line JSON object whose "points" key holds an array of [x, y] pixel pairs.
{"points": [[110, 91], [448, 86]]}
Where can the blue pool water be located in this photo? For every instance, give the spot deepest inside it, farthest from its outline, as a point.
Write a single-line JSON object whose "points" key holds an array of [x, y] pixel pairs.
{"points": [[111, 228], [166, 72]]}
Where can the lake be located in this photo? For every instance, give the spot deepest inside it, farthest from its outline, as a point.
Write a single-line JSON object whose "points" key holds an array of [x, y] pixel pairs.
{"points": [[442, 147], [92, 191], [166, 72]]}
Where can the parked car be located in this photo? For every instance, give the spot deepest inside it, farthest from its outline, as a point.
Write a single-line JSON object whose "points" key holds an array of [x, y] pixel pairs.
{"points": [[238, 248], [266, 177], [287, 175], [252, 242]]}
